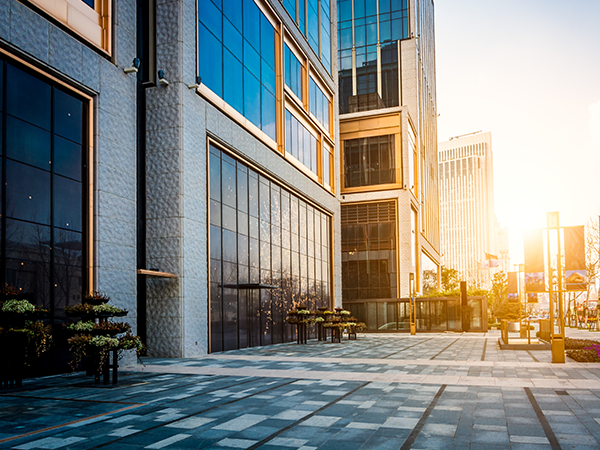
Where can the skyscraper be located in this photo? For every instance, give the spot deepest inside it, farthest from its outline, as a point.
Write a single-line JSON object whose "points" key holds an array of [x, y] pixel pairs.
{"points": [[388, 135], [469, 229]]}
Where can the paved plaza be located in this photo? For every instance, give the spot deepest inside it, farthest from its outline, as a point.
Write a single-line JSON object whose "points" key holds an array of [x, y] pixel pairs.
{"points": [[382, 391]]}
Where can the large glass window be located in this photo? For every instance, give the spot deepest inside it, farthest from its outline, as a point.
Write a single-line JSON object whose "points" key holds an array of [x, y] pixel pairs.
{"points": [[293, 72], [369, 251], [369, 161], [269, 251], [300, 142], [319, 104], [237, 58], [318, 27], [382, 22], [42, 204]]}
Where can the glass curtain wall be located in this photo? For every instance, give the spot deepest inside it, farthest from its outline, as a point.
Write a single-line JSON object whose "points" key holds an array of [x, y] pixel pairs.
{"points": [[269, 251], [237, 58], [369, 161], [370, 31], [313, 17], [369, 267], [42, 199]]}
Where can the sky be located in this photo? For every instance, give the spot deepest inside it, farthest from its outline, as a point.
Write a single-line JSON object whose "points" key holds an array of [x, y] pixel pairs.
{"points": [[528, 71]]}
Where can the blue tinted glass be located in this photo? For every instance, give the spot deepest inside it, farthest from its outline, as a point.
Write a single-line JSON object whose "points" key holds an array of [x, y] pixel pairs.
{"points": [[359, 35], [344, 10], [233, 11], [268, 77], [371, 8], [27, 97], [251, 98], [313, 25], [210, 61], [287, 66], [233, 83], [301, 15], [252, 23], [359, 9], [251, 59], [346, 38], [385, 31], [27, 143], [211, 17], [67, 203], [232, 39], [384, 6], [290, 6], [288, 131], [267, 41], [67, 158], [268, 114], [31, 200], [68, 112]]}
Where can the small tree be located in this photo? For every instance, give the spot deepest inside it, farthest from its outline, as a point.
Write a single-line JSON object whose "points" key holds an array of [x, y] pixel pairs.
{"points": [[499, 306], [450, 279]]}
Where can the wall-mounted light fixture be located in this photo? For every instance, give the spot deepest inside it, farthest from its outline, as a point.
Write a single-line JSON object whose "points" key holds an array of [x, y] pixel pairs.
{"points": [[197, 84], [161, 78], [135, 65]]}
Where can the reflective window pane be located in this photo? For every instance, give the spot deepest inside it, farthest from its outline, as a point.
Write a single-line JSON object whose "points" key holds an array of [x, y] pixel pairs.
{"points": [[27, 201]]}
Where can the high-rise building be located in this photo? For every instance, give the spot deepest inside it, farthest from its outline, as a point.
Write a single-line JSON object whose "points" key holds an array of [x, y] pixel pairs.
{"points": [[180, 156], [469, 229], [388, 136]]}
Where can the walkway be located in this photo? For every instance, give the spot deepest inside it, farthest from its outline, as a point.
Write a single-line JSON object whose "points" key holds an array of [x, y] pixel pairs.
{"points": [[382, 391]]}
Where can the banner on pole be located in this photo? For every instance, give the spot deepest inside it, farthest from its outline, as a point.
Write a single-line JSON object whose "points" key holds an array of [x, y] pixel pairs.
{"points": [[533, 248], [513, 287], [575, 270]]}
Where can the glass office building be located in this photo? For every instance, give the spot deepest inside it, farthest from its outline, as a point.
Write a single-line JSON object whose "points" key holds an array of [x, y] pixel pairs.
{"points": [[181, 157], [388, 146]]}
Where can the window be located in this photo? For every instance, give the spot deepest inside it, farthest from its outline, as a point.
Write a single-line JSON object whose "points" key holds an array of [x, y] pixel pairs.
{"points": [[317, 29], [90, 19], [300, 142], [412, 160], [369, 161], [327, 165], [237, 59], [43, 207], [261, 234], [372, 27], [369, 251], [319, 104], [293, 72]]}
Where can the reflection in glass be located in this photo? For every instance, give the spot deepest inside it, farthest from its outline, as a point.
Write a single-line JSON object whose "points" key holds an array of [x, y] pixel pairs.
{"points": [[248, 317], [369, 251]]}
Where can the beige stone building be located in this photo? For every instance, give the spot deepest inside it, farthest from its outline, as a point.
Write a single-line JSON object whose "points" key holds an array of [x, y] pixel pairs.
{"points": [[469, 229], [388, 135]]}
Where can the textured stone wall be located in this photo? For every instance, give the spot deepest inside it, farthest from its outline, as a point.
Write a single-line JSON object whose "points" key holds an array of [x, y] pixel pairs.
{"points": [[25, 33]]}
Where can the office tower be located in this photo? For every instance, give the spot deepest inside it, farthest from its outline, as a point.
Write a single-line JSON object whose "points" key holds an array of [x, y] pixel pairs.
{"points": [[180, 156], [467, 218], [388, 146]]}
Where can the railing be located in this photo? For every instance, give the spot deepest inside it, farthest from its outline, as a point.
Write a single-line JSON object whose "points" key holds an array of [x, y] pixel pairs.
{"points": [[432, 314]]}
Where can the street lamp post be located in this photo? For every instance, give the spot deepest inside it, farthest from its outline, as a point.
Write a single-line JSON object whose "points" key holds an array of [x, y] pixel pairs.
{"points": [[558, 340]]}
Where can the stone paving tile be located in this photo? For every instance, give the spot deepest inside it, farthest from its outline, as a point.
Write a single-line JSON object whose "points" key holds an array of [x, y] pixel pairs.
{"points": [[189, 410]]}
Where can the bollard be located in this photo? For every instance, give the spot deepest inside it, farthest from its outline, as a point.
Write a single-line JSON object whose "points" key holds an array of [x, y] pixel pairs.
{"points": [[558, 349]]}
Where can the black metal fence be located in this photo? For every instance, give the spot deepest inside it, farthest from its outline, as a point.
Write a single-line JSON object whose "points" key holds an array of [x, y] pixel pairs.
{"points": [[432, 313]]}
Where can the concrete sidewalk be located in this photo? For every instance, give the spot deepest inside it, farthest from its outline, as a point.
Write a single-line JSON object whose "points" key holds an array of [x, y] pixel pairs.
{"points": [[383, 391]]}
